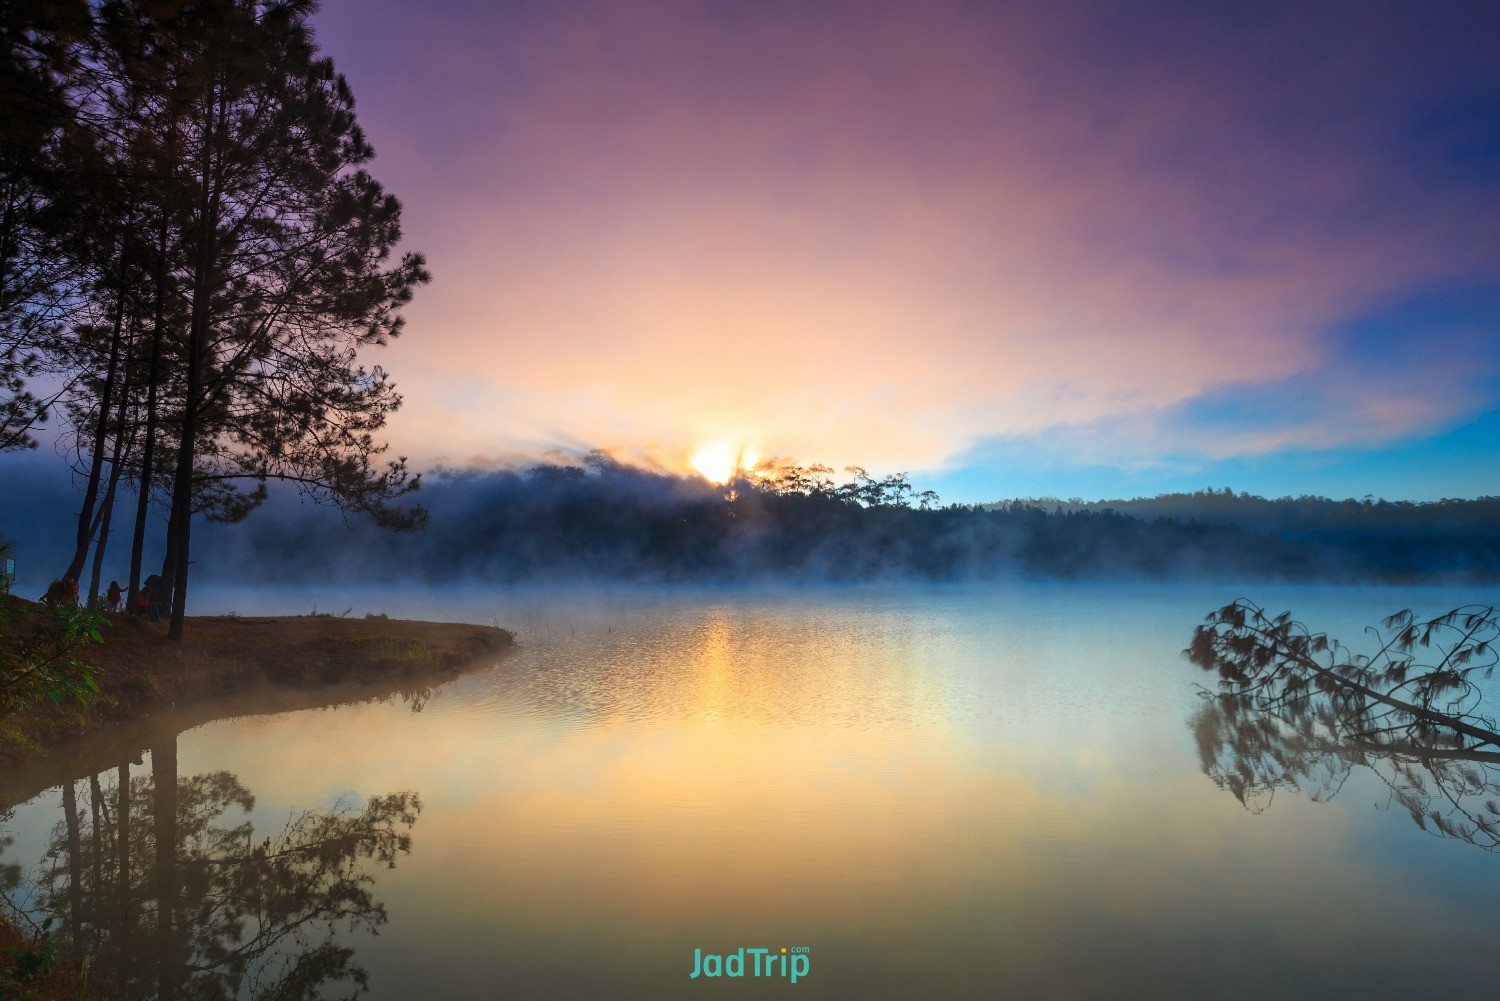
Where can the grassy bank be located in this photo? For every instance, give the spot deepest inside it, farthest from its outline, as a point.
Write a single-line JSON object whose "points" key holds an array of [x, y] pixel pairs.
{"points": [[141, 673]]}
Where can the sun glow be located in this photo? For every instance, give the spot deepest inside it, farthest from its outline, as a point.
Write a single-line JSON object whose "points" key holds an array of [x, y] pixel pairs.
{"points": [[719, 461]]}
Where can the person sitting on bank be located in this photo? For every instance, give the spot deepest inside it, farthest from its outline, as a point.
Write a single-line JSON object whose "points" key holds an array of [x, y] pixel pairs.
{"points": [[145, 604]]}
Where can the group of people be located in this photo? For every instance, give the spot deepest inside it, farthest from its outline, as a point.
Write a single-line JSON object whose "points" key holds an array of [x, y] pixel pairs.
{"points": [[147, 600]]}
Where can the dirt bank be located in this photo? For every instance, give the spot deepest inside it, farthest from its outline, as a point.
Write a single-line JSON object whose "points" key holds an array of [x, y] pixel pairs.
{"points": [[143, 674]]}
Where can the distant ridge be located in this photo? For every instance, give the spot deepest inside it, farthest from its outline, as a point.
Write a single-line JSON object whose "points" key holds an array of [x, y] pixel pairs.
{"points": [[1250, 511]]}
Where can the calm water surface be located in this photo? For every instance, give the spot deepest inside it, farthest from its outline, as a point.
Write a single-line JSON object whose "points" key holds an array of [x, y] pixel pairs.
{"points": [[944, 791]]}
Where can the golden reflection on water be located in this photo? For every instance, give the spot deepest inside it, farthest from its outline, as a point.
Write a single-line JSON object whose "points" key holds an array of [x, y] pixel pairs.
{"points": [[942, 796]]}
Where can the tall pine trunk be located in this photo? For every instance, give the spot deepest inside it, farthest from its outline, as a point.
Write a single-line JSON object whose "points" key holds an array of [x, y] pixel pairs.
{"points": [[181, 524], [117, 467], [169, 559], [203, 267], [148, 446], [106, 516], [86, 520]]}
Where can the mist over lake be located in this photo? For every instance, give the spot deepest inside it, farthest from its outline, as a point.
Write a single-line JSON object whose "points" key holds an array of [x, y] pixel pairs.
{"points": [[937, 790]]}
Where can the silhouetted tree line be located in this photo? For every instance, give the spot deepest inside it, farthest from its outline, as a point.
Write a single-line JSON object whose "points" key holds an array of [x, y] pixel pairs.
{"points": [[191, 255], [601, 519], [781, 521], [1359, 537]]}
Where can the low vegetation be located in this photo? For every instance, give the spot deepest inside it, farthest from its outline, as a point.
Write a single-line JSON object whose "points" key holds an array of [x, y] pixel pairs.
{"points": [[41, 654]]}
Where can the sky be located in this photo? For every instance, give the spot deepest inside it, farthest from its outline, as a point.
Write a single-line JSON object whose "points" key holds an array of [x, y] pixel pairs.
{"points": [[1034, 249]]}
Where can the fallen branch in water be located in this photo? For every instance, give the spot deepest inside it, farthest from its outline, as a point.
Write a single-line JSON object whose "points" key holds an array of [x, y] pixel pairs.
{"points": [[1387, 699]]}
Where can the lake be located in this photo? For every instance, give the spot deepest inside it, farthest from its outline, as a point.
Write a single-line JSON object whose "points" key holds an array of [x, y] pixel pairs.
{"points": [[941, 791]]}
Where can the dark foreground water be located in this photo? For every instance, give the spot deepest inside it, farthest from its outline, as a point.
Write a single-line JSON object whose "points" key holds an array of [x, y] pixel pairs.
{"points": [[928, 792]]}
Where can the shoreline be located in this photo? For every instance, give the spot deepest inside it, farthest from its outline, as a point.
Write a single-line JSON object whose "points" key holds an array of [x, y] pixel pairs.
{"points": [[148, 683]]}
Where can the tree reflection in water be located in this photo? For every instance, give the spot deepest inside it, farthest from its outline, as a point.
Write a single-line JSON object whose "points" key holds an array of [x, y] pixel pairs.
{"points": [[1252, 753], [1298, 711], [169, 895]]}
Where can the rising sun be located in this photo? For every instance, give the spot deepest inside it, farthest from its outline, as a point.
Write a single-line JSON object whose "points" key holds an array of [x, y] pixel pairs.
{"points": [[718, 462]]}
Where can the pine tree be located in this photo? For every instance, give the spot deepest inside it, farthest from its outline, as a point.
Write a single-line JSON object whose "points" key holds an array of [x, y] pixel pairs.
{"points": [[194, 248], [288, 246]]}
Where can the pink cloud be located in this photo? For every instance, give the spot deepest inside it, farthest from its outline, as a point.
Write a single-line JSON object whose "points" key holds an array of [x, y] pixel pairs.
{"points": [[867, 234]]}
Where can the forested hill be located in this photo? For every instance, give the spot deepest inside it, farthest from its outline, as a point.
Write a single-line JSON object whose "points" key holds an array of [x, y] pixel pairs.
{"points": [[607, 520], [602, 520], [1379, 536], [1479, 516]]}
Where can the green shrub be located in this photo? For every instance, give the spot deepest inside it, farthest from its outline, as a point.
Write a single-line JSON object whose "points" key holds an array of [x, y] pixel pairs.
{"points": [[20, 967], [39, 648]]}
